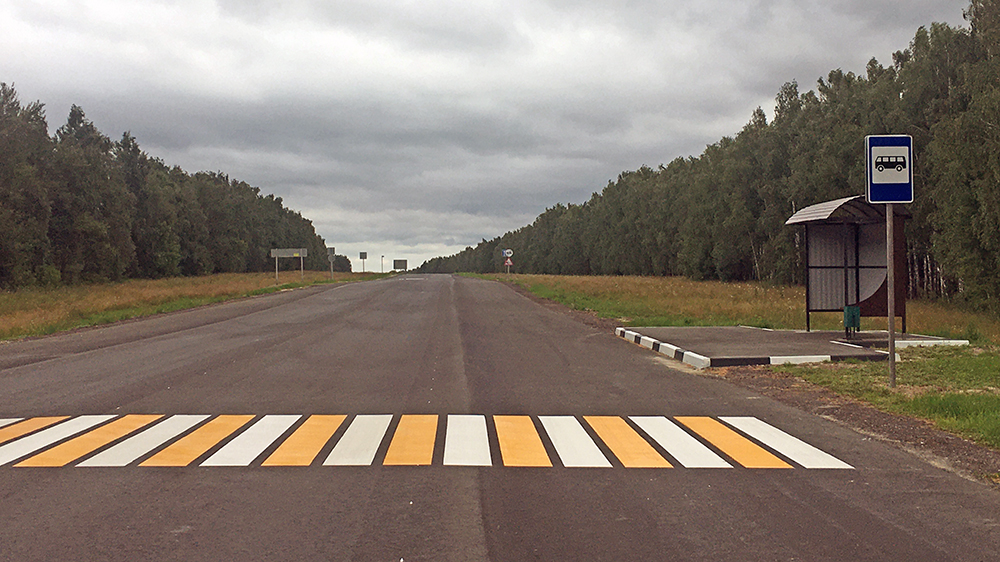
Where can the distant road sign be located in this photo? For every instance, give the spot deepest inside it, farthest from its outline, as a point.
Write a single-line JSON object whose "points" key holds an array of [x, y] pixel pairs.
{"points": [[399, 265], [890, 168], [364, 256], [509, 262], [508, 253], [289, 253]]}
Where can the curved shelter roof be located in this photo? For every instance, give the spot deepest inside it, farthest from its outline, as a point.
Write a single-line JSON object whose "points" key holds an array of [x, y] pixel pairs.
{"points": [[851, 210]]}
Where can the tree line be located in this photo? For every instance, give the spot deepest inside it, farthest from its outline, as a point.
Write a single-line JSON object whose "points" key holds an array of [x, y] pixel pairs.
{"points": [[721, 215], [78, 207]]}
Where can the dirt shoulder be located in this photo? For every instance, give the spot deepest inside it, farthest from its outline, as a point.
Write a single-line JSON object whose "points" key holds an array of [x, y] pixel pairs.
{"points": [[919, 437]]}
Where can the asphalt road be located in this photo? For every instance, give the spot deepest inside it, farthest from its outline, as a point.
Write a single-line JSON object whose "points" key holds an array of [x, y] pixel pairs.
{"points": [[446, 384]]}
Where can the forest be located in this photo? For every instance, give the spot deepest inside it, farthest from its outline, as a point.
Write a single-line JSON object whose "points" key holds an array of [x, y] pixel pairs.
{"points": [[78, 207], [721, 215]]}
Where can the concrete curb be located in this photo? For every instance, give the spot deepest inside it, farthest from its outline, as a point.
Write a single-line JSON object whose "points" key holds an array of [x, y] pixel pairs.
{"points": [[701, 362]]}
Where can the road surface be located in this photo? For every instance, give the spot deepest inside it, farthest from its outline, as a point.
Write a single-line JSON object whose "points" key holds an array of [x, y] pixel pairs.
{"points": [[435, 418]]}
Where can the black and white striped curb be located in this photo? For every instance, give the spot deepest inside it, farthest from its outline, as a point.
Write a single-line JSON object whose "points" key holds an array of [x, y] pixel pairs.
{"points": [[672, 351], [702, 362]]}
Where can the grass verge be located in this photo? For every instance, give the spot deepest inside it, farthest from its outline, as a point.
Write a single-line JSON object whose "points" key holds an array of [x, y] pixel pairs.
{"points": [[956, 388], [38, 311]]}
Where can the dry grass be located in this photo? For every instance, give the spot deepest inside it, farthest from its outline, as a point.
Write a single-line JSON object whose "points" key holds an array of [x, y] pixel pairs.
{"points": [[40, 311], [648, 301]]}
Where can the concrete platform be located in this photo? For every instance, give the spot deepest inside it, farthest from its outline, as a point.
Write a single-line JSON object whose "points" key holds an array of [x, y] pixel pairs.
{"points": [[727, 346]]}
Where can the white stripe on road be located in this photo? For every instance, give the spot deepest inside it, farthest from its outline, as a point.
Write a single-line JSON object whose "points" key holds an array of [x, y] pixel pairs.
{"points": [[8, 421], [466, 443], [793, 448], [360, 442], [34, 442], [573, 443], [682, 446], [249, 445], [134, 447]]}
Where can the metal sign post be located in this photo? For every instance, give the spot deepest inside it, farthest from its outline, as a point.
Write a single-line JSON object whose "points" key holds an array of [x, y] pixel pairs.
{"points": [[363, 256], [300, 253], [889, 160]]}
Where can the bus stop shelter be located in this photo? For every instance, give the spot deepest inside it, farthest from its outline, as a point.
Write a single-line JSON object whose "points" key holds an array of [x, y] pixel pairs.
{"points": [[845, 242]]}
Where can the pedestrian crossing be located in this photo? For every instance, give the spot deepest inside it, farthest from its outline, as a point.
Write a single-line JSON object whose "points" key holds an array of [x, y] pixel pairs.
{"points": [[470, 440]]}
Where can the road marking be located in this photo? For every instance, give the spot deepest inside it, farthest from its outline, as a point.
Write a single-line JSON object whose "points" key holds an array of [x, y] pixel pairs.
{"points": [[632, 450], [180, 440], [793, 448], [8, 421], [737, 447], [131, 449], [71, 450], [466, 442], [27, 426], [413, 442], [193, 445], [302, 446], [573, 445], [249, 445], [36, 441], [686, 450], [520, 444], [360, 442]]}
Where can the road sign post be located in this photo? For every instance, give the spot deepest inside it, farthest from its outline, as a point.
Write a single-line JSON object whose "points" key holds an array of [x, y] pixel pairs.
{"points": [[300, 253], [508, 253], [363, 256], [889, 163]]}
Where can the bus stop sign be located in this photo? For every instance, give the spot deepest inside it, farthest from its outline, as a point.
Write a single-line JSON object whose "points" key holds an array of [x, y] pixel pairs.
{"points": [[890, 168]]}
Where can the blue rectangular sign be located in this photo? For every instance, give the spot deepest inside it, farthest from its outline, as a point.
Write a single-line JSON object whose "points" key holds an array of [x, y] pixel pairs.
{"points": [[890, 168]]}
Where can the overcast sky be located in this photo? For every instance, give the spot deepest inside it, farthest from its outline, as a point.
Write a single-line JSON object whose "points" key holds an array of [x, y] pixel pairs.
{"points": [[414, 128]]}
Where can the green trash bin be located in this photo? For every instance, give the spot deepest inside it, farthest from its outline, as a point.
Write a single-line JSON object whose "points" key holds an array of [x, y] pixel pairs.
{"points": [[852, 320]]}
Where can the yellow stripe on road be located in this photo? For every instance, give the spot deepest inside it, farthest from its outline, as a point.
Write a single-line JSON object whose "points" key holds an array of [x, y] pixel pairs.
{"points": [[737, 447], [302, 446], [413, 442], [72, 450], [520, 444], [25, 427], [631, 449], [189, 448]]}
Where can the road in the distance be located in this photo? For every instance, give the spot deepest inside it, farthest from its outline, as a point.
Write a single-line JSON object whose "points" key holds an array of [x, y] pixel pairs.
{"points": [[383, 351]]}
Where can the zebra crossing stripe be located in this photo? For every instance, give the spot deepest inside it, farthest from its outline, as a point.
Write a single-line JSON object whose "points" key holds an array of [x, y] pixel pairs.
{"points": [[466, 442], [573, 445], [632, 450], [520, 444], [37, 441], [737, 447], [67, 452], [793, 448], [302, 446], [360, 442], [686, 450], [228, 440], [8, 421], [413, 442], [193, 445], [25, 427], [249, 445], [144, 442]]}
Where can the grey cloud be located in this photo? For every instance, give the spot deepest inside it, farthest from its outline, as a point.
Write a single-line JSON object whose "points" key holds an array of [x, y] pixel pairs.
{"points": [[431, 125]]}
